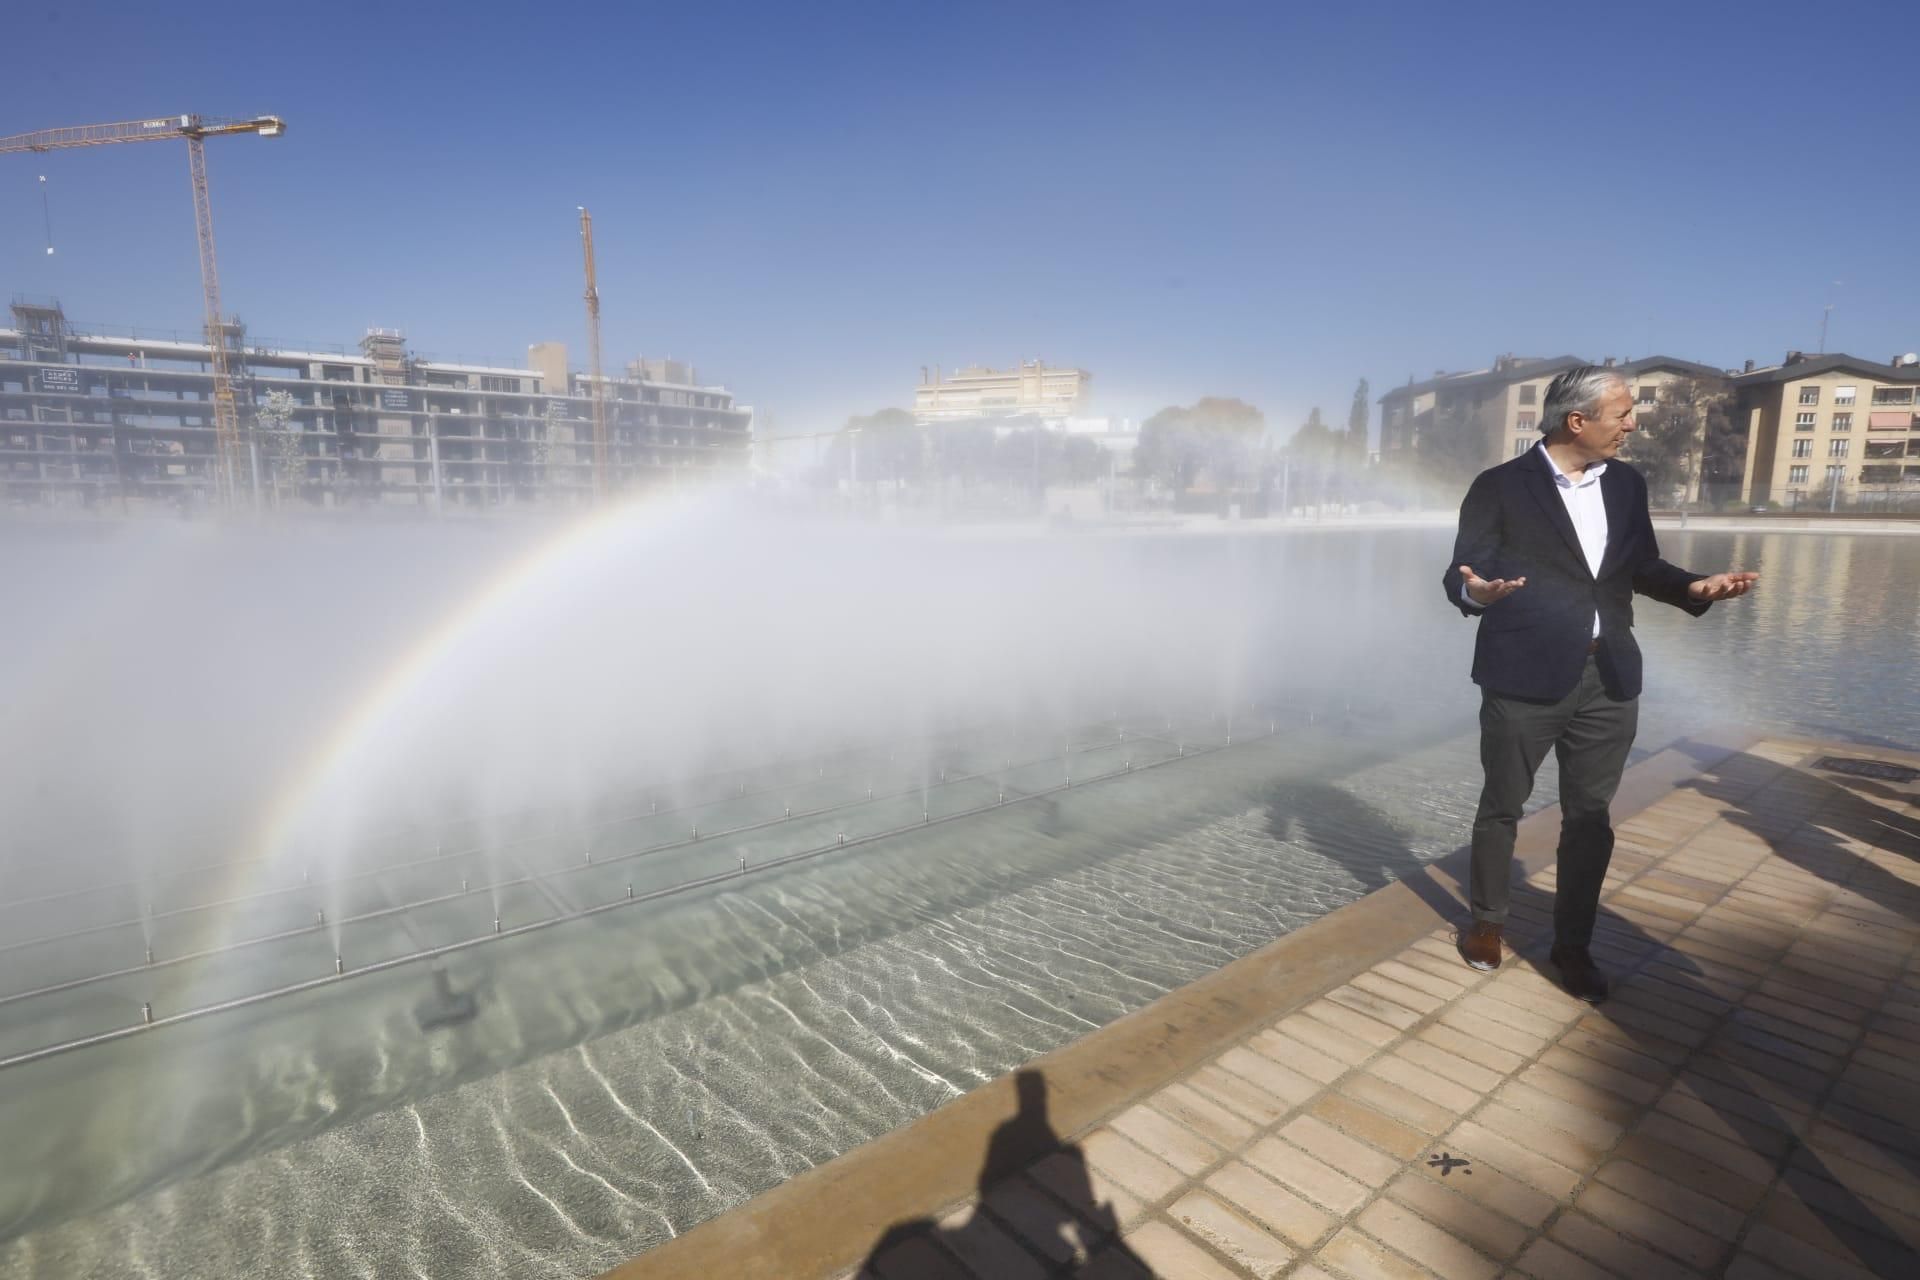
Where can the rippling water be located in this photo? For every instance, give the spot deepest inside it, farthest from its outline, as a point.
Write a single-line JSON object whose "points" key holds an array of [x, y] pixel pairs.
{"points": [[631, 1075]]}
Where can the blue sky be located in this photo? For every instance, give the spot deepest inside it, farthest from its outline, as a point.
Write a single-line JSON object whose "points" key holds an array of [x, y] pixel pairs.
{"points": [[813, 200]]}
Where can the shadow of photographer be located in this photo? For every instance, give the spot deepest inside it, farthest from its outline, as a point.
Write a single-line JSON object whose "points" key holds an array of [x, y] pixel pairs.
{"points": [[1047, 1223]]}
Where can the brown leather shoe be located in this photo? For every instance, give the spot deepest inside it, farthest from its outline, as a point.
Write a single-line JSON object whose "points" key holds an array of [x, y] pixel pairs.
{"points": [[1480, 945], [1579, 974]]}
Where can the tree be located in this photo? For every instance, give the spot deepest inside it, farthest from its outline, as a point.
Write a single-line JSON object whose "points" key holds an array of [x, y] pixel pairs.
{"points": [[1724, 455], [1314, 442], [1681, 432], [1082, 461], [1662, 447], [961, 451], [540, 447], [1316, 453], [1215, 436], [1452, 449], [885, 445], [1357, 415], [286, 451]]}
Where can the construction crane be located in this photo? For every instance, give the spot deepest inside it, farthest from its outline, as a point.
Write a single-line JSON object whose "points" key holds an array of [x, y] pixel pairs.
{"points": [[229, 456], [593, 349]]}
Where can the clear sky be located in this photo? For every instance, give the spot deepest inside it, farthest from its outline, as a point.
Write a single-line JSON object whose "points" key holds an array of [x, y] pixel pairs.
{"points": [[812, 200]]}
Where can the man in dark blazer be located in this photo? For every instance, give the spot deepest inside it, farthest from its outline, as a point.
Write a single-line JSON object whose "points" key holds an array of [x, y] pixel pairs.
{"points": [[1552, 547]]}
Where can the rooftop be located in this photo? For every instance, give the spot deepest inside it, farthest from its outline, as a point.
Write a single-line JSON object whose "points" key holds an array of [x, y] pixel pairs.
{"points": [[1797, 366], [1505, 370]]}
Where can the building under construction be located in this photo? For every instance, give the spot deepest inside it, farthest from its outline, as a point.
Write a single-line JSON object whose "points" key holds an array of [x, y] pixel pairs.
{"points": [[91, 416]]}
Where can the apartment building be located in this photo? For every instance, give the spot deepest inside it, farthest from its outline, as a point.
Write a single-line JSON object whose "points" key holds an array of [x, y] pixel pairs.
{"points": [[89, 415], [1031, 390], [1484, 416], [1829, 428]]}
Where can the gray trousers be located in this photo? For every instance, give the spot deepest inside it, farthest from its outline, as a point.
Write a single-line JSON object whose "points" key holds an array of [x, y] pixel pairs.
{"points": [[1590, 733]]}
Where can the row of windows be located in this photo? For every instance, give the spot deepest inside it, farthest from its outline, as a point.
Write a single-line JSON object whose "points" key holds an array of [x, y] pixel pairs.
{"points": [[1846, 395], [498, 385], [1798, 475], [1835, 448], [1804, 421]]}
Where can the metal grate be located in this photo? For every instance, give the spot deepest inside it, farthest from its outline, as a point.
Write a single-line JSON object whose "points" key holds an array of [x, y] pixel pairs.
{"points": [[1880, 770]]}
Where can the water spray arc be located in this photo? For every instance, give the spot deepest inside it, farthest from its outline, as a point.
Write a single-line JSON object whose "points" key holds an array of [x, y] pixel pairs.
{"points": [[434, 1011]]}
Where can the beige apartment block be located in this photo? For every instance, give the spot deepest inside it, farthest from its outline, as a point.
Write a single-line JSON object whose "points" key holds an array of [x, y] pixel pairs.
{"points": [[1828, 428], [1493, 414], [1031, 390]]}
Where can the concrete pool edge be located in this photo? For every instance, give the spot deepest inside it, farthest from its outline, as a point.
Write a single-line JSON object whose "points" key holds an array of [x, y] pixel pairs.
{"points": [[823, 1221]]}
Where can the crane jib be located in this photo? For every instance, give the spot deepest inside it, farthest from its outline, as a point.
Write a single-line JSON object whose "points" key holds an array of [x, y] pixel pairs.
{"points": [[229, 448]]}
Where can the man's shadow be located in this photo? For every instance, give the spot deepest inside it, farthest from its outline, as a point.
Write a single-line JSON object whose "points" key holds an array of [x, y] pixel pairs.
{"points": [[1017, 1227], [1759, 1106], [1345, 829], [1759, 1086]]}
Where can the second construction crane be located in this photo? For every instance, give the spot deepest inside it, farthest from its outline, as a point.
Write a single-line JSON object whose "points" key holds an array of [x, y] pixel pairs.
{"points": [[600, 478], [196, 130]]}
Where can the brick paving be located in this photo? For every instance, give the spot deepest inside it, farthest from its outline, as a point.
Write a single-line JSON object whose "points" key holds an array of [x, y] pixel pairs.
{"points": [[1746, 1105]]}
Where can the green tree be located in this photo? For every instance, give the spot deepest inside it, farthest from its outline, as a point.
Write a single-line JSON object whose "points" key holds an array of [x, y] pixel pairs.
{"points": [[1314, 442], [1036, 457], [961, 451], [1357, 415], [1724, 459], [1679, 434], [1216, 435], [1082, 461], [885, 445], [540, 447], [286, 452], [1316, 455], [1452, 448]]}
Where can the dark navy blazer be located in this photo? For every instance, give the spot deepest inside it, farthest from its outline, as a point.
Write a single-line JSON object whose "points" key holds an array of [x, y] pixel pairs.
{"points": [[1533, 644]]}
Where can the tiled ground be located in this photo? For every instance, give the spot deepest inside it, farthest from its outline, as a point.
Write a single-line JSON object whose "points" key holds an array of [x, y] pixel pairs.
{"points": [[1746, 1105]]}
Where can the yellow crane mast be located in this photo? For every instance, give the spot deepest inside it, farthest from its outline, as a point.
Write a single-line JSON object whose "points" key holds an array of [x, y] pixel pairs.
{"points": [[229, 456], [593, 350]]}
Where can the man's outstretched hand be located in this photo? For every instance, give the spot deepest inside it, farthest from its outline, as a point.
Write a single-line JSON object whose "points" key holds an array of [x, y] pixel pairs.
{"points": [[1486, 593], [1723, 586]]}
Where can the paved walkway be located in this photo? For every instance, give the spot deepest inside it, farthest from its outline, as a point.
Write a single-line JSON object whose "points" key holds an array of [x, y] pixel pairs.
{"points": [[1746, 1105]]}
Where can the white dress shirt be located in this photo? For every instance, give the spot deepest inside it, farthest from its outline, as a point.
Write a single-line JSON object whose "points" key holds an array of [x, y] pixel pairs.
{"points": [[1588, 511]]}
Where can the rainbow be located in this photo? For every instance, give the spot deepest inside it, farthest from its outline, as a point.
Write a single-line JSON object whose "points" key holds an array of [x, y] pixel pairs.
{"points": [[494, 602]]}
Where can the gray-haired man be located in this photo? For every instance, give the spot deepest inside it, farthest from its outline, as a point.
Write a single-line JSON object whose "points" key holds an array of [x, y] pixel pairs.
{"points": [[1551, 549]]}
